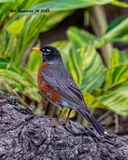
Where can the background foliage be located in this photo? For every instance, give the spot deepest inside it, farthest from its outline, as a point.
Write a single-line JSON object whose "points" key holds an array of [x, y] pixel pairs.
{"points": [[103, 86]]}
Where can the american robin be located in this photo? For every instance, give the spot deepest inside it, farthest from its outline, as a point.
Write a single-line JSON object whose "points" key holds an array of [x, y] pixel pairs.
{"points": [[58, 87]]}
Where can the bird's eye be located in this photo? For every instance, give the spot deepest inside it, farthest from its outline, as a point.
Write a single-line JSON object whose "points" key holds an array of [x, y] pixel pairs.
{"points": [[48, 50]]}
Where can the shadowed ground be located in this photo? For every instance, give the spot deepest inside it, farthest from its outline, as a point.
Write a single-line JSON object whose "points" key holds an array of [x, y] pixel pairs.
{"points": [[24, 136]]}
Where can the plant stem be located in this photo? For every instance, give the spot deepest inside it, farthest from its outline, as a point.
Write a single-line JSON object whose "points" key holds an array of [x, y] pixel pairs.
{"points": [[99, 25]]}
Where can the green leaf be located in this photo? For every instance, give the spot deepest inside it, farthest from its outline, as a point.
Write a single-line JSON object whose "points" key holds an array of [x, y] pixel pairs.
{"points": [[60, 5], [16, 27], [4, 1], [63, 46], [92, 101], [123, 89], [119, 3], [115, 22], [118, 69], [84, 65], [12, 77], [86, 18], [27, 35], [114, 94], [116, 101], [81, 38], [54, 18], [118, 58], [117, 31], [116, 75], [34, 61]]}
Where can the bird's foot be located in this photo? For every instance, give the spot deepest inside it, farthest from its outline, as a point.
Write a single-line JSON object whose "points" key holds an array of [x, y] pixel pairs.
{"points": [[109, 138], [55, 124], [67, 124], [58, 123]]}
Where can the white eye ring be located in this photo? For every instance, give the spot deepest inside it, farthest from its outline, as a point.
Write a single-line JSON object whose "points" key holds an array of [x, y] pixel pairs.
{"points": [[45, 53]]}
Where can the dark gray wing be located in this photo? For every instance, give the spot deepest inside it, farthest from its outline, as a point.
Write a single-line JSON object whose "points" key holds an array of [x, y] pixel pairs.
{"points": [[61, 80]]}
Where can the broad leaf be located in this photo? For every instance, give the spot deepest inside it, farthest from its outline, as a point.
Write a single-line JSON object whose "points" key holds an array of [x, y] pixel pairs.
{"points": [[116, 101], [117, 72], [119, 3], [18, 82], [92, 101], [114, 94], [3, 1], [11, 76], [60, 5], [16, 27], [118, 58], [87, 68], [115, 23], [117, 31], [81, 38], [21, 40], [34, 61], [53, 18], [116, 75]]}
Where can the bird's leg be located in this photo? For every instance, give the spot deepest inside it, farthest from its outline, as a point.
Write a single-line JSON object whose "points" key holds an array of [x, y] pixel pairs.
{"points": [[59, 116], [67, 118], [60, 113]]}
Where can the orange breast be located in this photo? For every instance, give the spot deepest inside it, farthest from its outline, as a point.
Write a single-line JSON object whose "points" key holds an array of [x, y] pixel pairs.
{"points": [[46, 90]]}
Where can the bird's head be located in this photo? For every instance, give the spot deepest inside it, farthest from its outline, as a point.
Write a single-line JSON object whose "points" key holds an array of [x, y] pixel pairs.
{"points": [[49, 53]]}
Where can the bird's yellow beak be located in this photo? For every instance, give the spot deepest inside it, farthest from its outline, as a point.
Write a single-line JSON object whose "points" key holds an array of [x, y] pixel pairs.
{"points": [[37, 49]]}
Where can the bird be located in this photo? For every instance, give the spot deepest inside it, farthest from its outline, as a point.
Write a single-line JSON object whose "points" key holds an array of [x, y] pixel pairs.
{"points": [[58, 86]]}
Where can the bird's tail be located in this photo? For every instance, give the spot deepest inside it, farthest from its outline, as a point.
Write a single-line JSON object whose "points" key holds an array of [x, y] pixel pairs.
{"points": [[91, 119]]}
